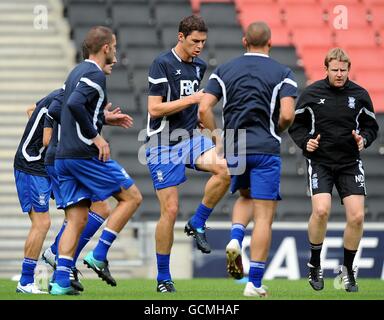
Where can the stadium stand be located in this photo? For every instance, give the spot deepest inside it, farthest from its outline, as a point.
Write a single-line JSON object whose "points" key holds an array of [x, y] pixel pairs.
{"points": [[302, 33]]}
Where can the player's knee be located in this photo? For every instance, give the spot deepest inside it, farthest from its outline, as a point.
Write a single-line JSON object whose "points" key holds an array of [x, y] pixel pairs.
{"points": [[42, 223], [171, 210], [321, 213], [356, 218], [223, 174], [136, 198]]}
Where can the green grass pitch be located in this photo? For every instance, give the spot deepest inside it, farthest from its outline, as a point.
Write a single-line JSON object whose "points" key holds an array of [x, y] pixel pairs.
{"points": [[204, 289]]}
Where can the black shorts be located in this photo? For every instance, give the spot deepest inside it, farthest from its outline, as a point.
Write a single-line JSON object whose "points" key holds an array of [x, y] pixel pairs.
{"points": [[348, 179]]}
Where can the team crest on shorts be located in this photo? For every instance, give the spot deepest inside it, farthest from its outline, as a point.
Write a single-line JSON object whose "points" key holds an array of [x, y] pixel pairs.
{"points": [[42, 200], [160, 177]]}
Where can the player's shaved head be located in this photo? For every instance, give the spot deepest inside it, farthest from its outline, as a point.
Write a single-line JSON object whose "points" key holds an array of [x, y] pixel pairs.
{"points": [[96, 38], [258, 34]]}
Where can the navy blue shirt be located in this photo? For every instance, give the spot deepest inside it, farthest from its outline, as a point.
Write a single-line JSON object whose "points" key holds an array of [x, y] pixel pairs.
{"points": [[251, 87], [30, 153], [173, 79], [82, 111], [52, 120]]}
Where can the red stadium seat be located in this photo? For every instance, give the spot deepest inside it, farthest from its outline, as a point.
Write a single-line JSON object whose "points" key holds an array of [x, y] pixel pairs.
{"points": [[366, 57], [377, 100], [312, 36], [357, 14], [377, 15], [356, 37], [304, 15], [249, 13], [195, 4], [370, 79]]}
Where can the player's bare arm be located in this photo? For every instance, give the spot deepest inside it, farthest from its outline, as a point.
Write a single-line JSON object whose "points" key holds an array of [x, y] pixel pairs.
{"points": [[287, 113], [157, 108]]}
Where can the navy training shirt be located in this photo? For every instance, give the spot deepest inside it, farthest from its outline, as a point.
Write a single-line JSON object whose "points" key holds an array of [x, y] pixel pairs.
{"points": [[30, 153], [251, 87], [52, 120], [172, 78], [82, 111]]}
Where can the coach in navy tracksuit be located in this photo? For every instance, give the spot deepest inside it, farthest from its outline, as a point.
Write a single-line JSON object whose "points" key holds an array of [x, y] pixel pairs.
{"points": [[33, 189], [334, 121], [258, 97], [85, 172]]}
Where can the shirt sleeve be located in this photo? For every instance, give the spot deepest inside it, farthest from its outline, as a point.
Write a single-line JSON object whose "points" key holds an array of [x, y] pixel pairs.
{"points": [[157, 78], [300, 130], [54, 109], [289, 87], [213, 86], [48, 121], [90, 87], [367, 121]]}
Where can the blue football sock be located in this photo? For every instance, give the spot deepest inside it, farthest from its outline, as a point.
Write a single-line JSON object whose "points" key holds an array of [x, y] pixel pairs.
{"points": [[105, 242], [163, 267], [201, 216], [237, 232], [27, 271], [93, 224], [57, 239], [256, 272], [63, 270]]}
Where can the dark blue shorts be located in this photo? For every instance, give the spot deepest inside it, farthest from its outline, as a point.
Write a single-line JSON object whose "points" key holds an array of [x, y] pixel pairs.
{"points": [[33, 191], [55, 189], [261, 177], [90, 179], [167, 163]]}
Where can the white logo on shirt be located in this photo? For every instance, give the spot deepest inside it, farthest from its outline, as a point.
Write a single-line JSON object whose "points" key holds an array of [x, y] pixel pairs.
{"points": [[351, 102], [178, 71], [322, 101], [188, 87]]}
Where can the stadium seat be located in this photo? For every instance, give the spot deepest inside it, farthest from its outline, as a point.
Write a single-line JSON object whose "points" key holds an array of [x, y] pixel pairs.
{"points": [[140, 79], [372, 79], [251, 12], [377, 15], [138, 37], [131, 13], [225, 36], [356, 37], [356, 14], [96, 14], [125, 99], [378, 100], [367, 58], [168, 37], [219, 14], [141, 57], [119, 78], [285, 55], [170, 14], [303, 15], [312, 36]]}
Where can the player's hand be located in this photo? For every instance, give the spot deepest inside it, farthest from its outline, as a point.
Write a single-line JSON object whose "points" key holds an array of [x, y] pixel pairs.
{"points": [[359, 140], [116, 117], [196, 97], [103, 146], [313, 144]]}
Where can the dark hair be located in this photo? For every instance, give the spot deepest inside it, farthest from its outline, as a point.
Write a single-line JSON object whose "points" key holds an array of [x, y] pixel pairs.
{"points": [[258, 34], [96, 38], [85, 51], [192, 23]]}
